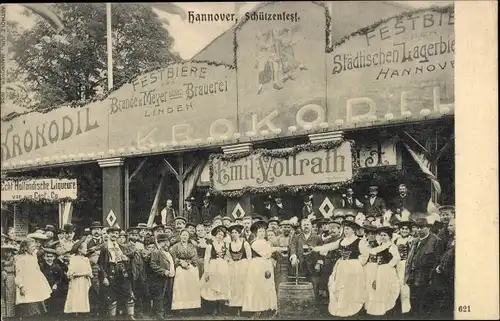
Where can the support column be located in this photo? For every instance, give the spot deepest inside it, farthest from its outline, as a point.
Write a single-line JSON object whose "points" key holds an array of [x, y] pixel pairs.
{"points": [[113, 192], [241, 206]]}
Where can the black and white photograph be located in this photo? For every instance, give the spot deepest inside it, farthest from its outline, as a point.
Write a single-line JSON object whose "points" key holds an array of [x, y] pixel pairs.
{"points": [[230, 161]]}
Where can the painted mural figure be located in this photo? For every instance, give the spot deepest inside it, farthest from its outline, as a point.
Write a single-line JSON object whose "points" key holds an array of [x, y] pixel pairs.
{"points": [[277, 63]]}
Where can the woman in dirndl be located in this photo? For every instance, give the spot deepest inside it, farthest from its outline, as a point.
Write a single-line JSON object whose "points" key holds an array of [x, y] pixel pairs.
{"points": [[186, 293], [32, 286], [346, 286], [386, 287], [8, 287], [260, 292], [215, 281], [80, 276], [370, 266], [239, 255]]}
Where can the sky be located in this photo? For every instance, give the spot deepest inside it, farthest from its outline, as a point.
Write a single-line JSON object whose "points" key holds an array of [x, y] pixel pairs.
{"points": [[192, 38]]}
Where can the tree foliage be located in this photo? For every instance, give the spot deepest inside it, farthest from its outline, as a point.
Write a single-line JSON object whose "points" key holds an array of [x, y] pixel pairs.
{"points": [[72, 66]]}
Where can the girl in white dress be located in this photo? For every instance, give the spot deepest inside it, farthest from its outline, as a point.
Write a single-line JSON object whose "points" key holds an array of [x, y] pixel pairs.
{"points": [[347, 281], [80, 276]]}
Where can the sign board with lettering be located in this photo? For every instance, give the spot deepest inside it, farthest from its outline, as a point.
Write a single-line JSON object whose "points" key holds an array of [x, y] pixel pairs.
{"points": [[400, 70], [379, 153], [62, 135], [184, 102], [281, 67], [257, 170], [38, 189]]}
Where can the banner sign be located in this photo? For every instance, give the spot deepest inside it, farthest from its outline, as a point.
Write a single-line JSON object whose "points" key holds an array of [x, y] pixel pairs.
{"points": [[184, 103], [257, 170], [38, 189], [399, 71], [378, 153]]}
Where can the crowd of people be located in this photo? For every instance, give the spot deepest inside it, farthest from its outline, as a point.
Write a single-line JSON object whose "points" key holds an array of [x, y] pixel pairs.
{"points": [[363, 262]]}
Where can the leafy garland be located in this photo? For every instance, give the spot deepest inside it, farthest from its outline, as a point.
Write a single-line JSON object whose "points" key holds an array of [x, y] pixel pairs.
{"points": [[308, 147], [27, 200]]}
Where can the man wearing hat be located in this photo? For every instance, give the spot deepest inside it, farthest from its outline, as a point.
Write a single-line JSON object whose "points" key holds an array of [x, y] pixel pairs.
{"points": [[39, 238], [137, 272], [191, 212], [161, 277], [69, 232], [247, 233], [95, 233], [421, 260], [403, 242], [274, 223], [226, 221], [301, 256], [267, 211], [307, 209], [143, 228], [54, 275], [350, 201], [446, 213], [208, 211], [114, 275], [374, 204]]}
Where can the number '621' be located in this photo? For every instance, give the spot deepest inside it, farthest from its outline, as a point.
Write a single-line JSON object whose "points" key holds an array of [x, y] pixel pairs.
{"points": [[464, 308]]}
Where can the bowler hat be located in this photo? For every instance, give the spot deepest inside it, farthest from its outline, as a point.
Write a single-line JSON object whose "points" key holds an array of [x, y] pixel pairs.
{"points": [[274, 219], [68, 228], [422, 222], [114, 228], [162, 237], [50, 228], [207, 223], [95, 225]]}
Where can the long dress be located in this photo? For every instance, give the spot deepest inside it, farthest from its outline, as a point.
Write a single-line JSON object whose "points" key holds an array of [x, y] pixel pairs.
{"points": [[8, 288], [403, 244], [36, 287], [238, 267], [346, 284], [80, 274], [260, 292], [186, 293], [370, 269], [386, 287], [217, 287]]}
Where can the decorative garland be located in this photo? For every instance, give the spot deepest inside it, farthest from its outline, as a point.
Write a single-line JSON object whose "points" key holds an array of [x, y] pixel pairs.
{"points": [[308, 147]]}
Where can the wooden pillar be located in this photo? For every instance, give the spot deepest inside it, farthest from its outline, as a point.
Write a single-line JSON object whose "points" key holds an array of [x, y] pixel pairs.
{"points": [[113, 192], [180, 161]]}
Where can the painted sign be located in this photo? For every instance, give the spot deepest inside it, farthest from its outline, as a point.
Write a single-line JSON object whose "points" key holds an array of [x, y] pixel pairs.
{"points": [[38, 189], [378, 153], [61, 135], [257, 170], [401, 70], [184, 102], [281, 67]]}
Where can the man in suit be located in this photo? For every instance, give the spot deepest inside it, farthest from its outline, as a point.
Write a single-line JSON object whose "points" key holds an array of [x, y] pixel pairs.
{"points": [[114, 275], [162, 270], [374, 205], [350, 201], [167, 214], [307, 209], [403, 201], [267, 211], [278, 209], [191, 212], [95, 232], [208, 211], [302, 257], [421, 261]]}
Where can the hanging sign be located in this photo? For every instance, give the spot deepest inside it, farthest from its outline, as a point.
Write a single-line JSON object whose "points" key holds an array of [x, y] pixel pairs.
{"points": [[39, 189], [378, 153], [257, 170]]}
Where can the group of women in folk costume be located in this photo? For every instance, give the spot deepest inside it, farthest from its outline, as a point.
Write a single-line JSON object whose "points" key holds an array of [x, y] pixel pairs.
{"points": [[365, 274]]}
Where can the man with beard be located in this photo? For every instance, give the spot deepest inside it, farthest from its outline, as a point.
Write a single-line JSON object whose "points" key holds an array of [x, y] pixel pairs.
{"points": [[247, 234], [374, 205], [403, 242], [191, 212], [274, 224], [350, 201], [443, 278], [133, 239], [114, 276], [302, 258], [50, 233], [403, 201], [95, 232], [157, 230], [421, 260], [137, 270], [167, 214]]}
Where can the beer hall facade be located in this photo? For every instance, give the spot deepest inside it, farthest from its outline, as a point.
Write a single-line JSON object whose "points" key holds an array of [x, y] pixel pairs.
{"points": [[268, 109]]}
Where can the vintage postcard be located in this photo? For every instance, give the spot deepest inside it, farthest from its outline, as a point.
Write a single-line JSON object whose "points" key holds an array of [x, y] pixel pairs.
{"points": [[249, 160]]}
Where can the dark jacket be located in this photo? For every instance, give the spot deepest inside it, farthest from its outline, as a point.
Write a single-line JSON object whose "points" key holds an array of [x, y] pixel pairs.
{"points": [[377, 209], [208, 212], [422, 260], [193, 215], [302, 248], [401, 203]]}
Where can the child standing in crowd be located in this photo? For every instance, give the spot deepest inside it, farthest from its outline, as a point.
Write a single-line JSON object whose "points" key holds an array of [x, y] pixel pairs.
{"points": [[163, 272], [32, 286], [186, 291], [94, 292], [215, 286], [79, 274], [54, 275], [8, 287]]}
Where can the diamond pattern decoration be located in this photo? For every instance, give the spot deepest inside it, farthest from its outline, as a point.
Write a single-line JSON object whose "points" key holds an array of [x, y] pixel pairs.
{"points": [[238, 211], [326, 208], [111, 218]]}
